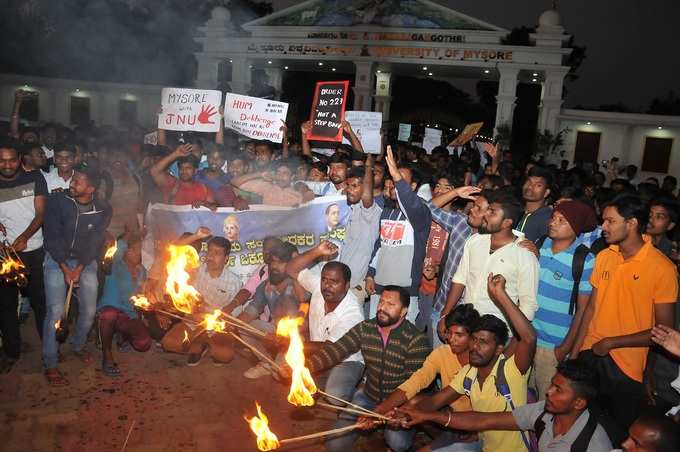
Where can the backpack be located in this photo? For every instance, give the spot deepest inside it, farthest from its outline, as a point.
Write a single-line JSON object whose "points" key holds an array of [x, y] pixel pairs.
{"points": [[581, 442], [503, 389], [577, 264]]}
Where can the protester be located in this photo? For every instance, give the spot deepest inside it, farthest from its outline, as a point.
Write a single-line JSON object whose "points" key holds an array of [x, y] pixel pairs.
{"points": [[634, 288], [536, 191], [276, 189], [562, 422], [22, 208], [59, 177], [183, 189], [74, 227], [652, 434]]}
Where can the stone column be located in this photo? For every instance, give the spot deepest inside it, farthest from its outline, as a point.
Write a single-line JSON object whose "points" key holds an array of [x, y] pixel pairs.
{"points": [[507, 94], [240, 75], [551, 100], [207, 72], [363, 78], [383, 94]]}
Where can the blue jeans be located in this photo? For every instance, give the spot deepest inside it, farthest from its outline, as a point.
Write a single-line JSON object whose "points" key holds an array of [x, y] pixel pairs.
{"points": [[397, 440], [432, 334], [55, 294], [341, 380], [425, 308]]}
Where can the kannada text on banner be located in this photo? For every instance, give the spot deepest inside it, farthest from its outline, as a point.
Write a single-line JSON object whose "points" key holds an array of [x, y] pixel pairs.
{"points": [[304, 226]]}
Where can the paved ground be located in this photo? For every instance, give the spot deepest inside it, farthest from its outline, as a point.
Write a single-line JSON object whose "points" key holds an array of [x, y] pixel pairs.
{"points": [[173, 407]]}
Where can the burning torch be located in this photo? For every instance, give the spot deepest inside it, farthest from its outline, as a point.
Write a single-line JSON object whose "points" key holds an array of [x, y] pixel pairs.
{"points": [[12, 268]]}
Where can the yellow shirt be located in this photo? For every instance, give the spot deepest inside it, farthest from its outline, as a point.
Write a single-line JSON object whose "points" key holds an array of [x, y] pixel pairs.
{"points": [[627, 291], [487, 400], [442, 361]]}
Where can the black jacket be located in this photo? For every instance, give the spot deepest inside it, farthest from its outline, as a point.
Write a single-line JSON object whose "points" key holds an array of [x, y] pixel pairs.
{"points": [[69, 234]]}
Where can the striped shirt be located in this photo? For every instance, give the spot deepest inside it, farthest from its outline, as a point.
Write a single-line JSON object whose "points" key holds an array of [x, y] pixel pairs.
{"points": [[388, 366], [552, 320]]}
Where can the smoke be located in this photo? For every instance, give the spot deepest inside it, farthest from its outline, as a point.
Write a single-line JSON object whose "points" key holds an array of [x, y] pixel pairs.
{"points": [[138, 41]]}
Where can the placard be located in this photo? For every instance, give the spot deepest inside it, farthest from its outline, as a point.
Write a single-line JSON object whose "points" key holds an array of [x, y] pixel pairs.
{"points": [[432, 139], [328, 109], [404, 132], [467, 134], [151, 138], [256, 118], [190, 109], [366, 126]]}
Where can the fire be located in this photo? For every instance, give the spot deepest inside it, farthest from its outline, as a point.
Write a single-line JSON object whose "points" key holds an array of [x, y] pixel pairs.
{"points": [[213, 322], [10, 265], [266, 439], [184, 296], [140, 301], [111, 251], [57, 324], [186, 338], [302, 386]]}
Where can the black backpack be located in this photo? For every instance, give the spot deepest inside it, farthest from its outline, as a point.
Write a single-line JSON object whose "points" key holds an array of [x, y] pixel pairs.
{"points": [[581, 442], [577, 264]]}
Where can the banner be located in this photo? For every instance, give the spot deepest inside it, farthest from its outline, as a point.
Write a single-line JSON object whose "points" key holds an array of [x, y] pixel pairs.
{"points": [[323, 218], [190, 109], [366, 126], [432, 139], [467, 134], [328, 109], [256, 118], [404, 132]]}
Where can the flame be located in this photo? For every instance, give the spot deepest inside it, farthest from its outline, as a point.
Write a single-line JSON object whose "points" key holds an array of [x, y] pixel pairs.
{"points": [[57, 324], [10, 265], [302, 386], [111, 251], [141, 302], [186, 338], [266, 439], [304, 308], [212, 322], [184, 296]]}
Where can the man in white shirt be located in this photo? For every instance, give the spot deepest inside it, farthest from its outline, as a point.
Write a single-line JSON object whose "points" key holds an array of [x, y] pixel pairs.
{"points": [[59, 178], [333, 311], [496, 249], [217, 286]]}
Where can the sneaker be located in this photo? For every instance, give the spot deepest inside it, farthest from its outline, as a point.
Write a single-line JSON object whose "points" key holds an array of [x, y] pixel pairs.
{"points": [[195, 358], [258, 371]]}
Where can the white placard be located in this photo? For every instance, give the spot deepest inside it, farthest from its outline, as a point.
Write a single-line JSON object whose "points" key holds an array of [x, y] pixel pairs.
{"points": [[404, 132], [366, 125], [432, 139], [190, 109], [256, 118]]}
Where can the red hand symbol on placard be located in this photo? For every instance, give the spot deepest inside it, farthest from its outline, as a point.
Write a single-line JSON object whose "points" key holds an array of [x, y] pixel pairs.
{"points": [[206, 112]]}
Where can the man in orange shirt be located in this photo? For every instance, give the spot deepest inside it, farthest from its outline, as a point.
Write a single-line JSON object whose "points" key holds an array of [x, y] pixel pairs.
{"points": [[634, 288]]}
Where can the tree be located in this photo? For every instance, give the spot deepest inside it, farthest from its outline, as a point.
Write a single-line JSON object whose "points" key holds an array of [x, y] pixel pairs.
{"points": [[549, 144]]}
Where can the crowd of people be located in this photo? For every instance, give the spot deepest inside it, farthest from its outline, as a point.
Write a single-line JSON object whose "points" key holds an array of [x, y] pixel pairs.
{"points": [[491, 304]]}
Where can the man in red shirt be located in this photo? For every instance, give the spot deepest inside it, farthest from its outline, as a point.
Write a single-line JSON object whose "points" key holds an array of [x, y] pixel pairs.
{"points": [[182, 190]]}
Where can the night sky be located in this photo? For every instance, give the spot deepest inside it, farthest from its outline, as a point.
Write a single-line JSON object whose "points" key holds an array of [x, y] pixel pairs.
{"points": [[632, 46]]}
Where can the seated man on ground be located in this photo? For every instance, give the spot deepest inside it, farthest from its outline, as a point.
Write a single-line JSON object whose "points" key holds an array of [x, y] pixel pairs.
{"points": [[562, 422], [444, 362], [116, 314], [333, 311], [393, 350], [217, 285]]}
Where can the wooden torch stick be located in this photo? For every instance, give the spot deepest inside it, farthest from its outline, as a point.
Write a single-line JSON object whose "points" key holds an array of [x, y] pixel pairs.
{"points": [[358, 407], [353, 411], [257, 352], [319, 434]]}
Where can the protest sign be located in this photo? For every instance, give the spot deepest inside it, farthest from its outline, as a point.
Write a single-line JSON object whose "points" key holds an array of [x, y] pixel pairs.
{"points": [[432, 139], [366, 126], [467, 134], [190, 109], [328, 109], [404, 132], [305, 226], [256, 118]]}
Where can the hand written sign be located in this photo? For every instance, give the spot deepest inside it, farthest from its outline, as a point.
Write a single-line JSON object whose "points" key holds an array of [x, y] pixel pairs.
{"points": [[328, 110], [190, 109]]}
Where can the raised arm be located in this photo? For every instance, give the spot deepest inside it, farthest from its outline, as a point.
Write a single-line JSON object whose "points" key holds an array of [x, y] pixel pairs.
{"points": [[467, 192], [306, 259], [305, 128], [159, 172], [14, 120], [284, 142], [367, 194], [347, 130], [243, 178], [526, 335]]}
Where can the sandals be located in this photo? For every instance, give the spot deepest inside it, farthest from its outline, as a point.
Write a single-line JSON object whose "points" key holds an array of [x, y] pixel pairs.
{"points": [[111, 370], [55, 378]]}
